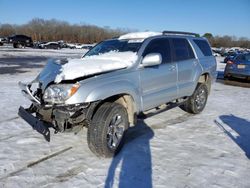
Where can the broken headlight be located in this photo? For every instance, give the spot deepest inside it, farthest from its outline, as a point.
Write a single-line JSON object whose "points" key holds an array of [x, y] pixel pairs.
{"points": [[60, 93]]}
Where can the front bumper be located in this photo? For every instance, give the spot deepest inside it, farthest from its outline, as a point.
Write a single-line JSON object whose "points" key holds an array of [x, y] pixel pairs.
{"points": [[27, 93], [40, 126]]}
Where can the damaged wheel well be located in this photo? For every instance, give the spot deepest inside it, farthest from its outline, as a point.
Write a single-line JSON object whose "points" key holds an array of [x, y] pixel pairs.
{"points": [[206, 79], [125, 100]]}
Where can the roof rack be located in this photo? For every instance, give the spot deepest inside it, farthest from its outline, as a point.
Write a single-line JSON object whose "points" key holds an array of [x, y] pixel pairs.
{"points": [[180, 33]]}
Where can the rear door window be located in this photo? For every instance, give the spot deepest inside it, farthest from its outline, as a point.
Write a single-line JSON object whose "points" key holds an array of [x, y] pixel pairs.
{"points": [[161, 46], [182, 49], [204, 47], [247, 57]]}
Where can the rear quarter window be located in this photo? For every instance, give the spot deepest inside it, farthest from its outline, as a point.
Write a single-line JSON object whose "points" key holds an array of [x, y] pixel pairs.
{"points": [[243, 57], [204, 47]]}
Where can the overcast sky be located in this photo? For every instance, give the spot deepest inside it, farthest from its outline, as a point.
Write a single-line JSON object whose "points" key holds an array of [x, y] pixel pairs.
{"points": [[220, 17]]}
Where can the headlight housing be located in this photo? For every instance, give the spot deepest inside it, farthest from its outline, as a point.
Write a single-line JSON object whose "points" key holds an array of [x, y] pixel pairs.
{"points": [[60, 93]]}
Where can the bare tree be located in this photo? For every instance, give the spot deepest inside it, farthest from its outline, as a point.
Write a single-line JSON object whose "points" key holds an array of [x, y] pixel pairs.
{"points": [[55, 30]]}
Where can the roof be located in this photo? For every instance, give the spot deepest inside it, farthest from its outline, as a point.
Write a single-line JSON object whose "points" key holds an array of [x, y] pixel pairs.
{"points": [[144, 35], [139, 35]]}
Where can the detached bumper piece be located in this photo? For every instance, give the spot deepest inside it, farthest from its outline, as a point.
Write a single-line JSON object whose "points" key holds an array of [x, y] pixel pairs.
{"points": [[27, 93], [40, 126]]}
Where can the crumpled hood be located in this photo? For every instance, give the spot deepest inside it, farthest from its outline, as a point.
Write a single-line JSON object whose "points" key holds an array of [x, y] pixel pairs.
{"points": [[91, 65], [70, 69], [49, 73]]}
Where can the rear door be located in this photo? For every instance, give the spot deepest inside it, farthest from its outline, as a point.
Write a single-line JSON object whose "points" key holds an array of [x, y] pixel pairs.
{"points": [[186, 66], [158, 83]]}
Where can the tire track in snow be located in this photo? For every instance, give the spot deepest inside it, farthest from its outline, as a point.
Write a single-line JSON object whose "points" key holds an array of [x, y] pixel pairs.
{"points": [[13, 135], [9, 119], [64, 177], [31, 164], [173, 121]]}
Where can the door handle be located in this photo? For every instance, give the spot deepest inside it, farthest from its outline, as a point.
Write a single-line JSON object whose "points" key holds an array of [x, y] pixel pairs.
{"points": [[172, 68], [195, 63]]}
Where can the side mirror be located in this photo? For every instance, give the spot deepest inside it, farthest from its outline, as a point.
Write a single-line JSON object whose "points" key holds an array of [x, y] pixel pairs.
{"points": [[152, 59]]}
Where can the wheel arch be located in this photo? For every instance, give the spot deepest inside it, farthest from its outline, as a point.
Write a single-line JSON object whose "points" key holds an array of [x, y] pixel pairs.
{"points": [[127, 101], [206, 79]]}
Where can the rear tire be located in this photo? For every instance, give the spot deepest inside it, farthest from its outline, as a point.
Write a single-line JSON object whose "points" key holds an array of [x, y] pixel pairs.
{"points": [[197, 102], [227, 77], [106, 132]]}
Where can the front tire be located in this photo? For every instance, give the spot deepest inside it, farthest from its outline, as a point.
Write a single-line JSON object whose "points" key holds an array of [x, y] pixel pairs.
{"points": [[197, 102], [107, 130]]}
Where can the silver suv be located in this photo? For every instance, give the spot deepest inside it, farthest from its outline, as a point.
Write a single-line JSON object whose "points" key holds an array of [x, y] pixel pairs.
{"points": [[117, 80]]}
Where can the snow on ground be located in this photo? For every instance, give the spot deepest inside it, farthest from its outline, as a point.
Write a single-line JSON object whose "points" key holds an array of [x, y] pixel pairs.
{"points": [[90, 65], [167, 149]]}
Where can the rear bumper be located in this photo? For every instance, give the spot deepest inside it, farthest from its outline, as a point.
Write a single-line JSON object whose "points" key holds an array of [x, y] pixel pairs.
{"points": [[238, 73], [232, 70], [40, 126]]}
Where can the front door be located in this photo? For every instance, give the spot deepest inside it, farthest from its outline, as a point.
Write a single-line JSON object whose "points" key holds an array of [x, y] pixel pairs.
{"points": [[158, 83]]}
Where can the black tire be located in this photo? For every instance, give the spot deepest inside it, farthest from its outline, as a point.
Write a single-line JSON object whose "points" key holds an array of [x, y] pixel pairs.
{"points": [[103, 125], [197, 102], [227, 77]]}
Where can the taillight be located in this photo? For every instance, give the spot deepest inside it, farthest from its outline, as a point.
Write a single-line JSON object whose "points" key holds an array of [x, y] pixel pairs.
{"points": [[230, 62]]}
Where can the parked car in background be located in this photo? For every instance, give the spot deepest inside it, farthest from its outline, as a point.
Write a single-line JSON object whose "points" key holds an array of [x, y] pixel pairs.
{"points": [[87, 46], [216, 54], [62, 44], [239, 66], [51, 45], [38, 44], [71, 46], [2, 40], [78, 46], [20, 41], [230, 56]]}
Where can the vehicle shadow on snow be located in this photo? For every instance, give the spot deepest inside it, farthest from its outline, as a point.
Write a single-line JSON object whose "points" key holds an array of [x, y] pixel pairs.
{"points": [[241, 127], [134, 160]]}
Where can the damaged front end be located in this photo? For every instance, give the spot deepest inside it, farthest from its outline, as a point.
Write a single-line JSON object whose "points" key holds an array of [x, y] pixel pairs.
{"points": [[48, 108]]}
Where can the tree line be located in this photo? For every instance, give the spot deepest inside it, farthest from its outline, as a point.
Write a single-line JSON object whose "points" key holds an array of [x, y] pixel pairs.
{"points": [[227, 41], [55, 30]]}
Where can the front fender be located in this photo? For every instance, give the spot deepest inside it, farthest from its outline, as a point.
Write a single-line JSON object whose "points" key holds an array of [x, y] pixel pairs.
{"points": [[94, 92]]}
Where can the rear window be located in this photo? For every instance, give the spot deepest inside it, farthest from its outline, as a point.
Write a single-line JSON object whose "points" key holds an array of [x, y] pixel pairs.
{"points": [[182, 49], [243, 57], [247, 57], [204, 47]]}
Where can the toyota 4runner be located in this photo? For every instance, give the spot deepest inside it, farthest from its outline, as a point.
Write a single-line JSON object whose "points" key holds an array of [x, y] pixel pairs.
{"points": [[115, 81]]}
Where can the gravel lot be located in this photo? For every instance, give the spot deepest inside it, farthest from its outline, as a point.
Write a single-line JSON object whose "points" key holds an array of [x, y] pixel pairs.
{"points": [[167, 149]]}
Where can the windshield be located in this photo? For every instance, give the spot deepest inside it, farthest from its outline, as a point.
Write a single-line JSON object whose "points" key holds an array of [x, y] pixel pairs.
{"points": [[115, 45]]}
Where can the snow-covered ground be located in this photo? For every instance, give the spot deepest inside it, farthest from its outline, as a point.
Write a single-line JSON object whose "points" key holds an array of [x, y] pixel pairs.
{"points": [[167, 149]]}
